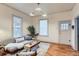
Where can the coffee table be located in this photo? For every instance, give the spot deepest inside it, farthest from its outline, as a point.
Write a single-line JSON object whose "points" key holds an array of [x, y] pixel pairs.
{"points": [[31, 46]]}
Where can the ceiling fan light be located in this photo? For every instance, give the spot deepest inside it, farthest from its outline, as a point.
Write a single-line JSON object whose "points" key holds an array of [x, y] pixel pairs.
{"points": [[38, 9], [44, 15], [31, 14]]}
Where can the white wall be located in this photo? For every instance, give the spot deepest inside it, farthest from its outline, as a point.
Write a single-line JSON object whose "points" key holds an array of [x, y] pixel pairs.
{"points": [[6, 14], [75, 13], [53, 26]]}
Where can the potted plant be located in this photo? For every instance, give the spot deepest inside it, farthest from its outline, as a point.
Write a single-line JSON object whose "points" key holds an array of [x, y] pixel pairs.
{"points": [[32, 31]]}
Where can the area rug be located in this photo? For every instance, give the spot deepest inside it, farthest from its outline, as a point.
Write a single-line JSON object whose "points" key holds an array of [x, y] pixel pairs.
{"points": [[41, 51], [43, 48]]}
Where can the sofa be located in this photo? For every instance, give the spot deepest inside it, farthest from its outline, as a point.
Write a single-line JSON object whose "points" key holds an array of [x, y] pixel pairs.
{"points": [[19, 44]]}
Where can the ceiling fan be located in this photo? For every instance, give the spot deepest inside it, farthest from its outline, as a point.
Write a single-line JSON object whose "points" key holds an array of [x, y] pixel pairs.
{"points": [[38, 11]]}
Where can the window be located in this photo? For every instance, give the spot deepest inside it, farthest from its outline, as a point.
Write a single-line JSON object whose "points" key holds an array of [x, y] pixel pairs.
{"points": [[43, 27], [64, 26], [17, 25]]}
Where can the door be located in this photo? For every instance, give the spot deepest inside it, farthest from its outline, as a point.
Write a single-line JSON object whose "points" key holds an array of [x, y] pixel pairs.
{"points": [[64, 32], [77, 33]]}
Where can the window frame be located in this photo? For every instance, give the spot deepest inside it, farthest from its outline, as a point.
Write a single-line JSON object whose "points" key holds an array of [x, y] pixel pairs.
{"points": [[64, 22], [13, 27], [47, 28]]}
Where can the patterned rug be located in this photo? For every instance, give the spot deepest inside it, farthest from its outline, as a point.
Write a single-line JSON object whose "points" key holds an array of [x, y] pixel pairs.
{"points": [[41, 51], [43, 48]]}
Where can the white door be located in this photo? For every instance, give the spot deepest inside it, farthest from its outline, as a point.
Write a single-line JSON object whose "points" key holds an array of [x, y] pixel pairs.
{"points": [[64, 32]]}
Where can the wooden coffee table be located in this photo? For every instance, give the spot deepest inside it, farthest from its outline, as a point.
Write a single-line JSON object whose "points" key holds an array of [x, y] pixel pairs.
{"points": [[31, 45]]}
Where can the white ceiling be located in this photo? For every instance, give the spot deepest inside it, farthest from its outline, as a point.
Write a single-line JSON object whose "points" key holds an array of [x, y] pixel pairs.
{"points": [[49, 8]]}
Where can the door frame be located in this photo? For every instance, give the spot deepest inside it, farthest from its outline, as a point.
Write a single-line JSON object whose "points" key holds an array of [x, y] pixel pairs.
{"points": [[63, 30], [75, 28]]}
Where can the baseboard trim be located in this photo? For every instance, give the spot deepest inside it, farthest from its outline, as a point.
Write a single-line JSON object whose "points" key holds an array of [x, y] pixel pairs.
{"points": [[55, 43]]}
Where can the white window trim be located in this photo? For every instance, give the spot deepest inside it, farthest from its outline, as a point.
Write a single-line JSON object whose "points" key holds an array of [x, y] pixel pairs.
{"points": [[47, 28], [13, 27], [64, 22]]}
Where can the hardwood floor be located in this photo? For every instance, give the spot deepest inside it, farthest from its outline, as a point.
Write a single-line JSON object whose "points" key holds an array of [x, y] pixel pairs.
{"points": [[61, 50]]}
